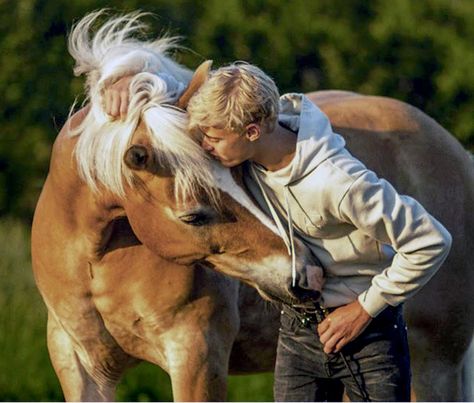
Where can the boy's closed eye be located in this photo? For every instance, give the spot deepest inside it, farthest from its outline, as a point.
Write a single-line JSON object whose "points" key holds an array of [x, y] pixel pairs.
{"points": [[212, 139]]}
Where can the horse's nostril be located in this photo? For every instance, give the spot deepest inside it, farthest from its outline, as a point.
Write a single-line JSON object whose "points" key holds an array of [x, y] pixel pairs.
{"points": [[305, 294], [308, 283]]}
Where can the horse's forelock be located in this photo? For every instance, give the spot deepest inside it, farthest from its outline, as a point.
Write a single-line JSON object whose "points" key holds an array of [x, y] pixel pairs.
{"points": [[176, 150], [167, 128]]}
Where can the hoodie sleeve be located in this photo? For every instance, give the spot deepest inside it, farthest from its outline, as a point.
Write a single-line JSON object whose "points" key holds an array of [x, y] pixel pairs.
{"points": [[116, 66], [421, 243]]}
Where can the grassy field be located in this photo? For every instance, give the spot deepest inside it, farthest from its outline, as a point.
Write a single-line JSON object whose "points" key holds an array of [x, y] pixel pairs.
{"points": [[26, 373]]}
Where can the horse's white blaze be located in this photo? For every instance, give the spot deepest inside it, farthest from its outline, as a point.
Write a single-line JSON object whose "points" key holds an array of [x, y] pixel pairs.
{"points": [[272, 271], [110, 53], [272, 267], [271, 276]]}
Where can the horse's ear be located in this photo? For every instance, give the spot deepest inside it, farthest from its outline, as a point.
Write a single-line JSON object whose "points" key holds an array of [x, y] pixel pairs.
{"points": [[200, 76]]}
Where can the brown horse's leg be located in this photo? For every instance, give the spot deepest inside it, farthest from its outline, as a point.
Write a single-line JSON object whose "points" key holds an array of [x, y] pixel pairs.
{"points": [[206, 383], [79, 382], [199, 371]]}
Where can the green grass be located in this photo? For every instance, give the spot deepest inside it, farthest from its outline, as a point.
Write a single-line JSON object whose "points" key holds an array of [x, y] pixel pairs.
{"points": [[25, 370], [26, 373]]}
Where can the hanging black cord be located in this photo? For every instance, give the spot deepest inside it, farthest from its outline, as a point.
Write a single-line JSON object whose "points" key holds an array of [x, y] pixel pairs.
{"points": [[362, 390]]}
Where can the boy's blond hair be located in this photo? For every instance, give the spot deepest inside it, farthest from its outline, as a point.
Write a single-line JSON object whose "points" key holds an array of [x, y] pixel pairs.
{"points": [[233, 97]]}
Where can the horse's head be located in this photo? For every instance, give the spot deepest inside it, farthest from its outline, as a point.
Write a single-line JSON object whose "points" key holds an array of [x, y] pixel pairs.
{"points": [[182, 205], [187, 208]]}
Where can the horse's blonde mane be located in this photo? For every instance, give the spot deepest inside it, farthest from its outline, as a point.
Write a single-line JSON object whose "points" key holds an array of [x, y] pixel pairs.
{"points": [[114, 46], [102, 143]]}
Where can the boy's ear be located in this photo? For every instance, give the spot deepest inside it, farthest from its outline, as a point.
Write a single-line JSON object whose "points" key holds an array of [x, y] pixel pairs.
{"points": [[252, 131], [200, 76]]}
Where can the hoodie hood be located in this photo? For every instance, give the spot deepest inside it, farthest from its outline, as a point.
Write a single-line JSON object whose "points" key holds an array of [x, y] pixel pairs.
{"points": [[316, 141]]}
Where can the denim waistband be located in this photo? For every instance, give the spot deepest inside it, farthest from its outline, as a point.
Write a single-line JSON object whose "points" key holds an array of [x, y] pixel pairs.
{"points": [[309, 316]]}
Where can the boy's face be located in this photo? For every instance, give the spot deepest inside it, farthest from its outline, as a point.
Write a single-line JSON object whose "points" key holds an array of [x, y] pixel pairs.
{"points": [[227, 146]]}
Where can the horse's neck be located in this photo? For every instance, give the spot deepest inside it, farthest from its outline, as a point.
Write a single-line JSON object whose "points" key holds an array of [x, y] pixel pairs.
{"points": [[73, 204]]}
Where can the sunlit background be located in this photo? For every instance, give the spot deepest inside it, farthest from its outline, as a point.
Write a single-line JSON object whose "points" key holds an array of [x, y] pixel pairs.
{"points": [[421, 52]]}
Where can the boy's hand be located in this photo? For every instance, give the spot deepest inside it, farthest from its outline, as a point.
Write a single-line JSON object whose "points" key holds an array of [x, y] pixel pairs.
{"points": [[116, 98], [342, 326]]}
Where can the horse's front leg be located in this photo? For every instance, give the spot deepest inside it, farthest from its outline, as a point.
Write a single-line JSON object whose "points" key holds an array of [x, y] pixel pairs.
{"points": [[198, 360], [85, 374], [199, 368]]}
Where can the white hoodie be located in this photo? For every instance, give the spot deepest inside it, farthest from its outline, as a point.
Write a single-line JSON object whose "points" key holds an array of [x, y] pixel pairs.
{"points": [[374, 244]]}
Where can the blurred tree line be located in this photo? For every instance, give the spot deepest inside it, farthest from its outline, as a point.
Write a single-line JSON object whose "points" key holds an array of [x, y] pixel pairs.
{"points": [[420, 52]]}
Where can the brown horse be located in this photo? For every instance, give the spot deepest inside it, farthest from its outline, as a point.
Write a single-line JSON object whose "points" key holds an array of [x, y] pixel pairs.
{"points": [[117, 295], [112, 257]]}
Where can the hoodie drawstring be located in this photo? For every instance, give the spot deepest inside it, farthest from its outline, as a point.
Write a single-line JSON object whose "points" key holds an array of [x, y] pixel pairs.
{"points": [[292, 240], [289, 240]]}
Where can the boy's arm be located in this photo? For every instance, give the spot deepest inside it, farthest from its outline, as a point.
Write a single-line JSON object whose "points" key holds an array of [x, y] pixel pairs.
{"points": [[421, 244], [117, 72]]}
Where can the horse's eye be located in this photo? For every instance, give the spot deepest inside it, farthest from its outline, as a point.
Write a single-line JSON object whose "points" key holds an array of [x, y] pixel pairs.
{"points": [[196, 219]]}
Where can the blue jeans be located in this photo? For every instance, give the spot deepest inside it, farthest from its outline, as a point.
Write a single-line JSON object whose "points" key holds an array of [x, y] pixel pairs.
{"points": [[378, 357]]}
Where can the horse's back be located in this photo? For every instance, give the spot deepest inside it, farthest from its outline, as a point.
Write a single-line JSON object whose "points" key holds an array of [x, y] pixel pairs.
{"points": [[408, 148]]}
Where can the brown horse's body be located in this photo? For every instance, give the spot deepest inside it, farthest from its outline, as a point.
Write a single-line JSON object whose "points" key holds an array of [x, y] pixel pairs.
{"points": [[112, 301]]}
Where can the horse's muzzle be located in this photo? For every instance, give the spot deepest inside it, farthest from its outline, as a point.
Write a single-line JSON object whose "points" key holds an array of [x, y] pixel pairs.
{"points": [[308, 284]]}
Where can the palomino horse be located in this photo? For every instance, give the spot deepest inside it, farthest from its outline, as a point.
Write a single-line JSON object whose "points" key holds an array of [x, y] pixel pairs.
{"points": [[113, 245], [117, 295]]}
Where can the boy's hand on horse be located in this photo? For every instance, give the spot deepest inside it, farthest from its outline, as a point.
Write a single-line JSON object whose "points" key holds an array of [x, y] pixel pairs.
{"points": [[116, 98], [342, 326]]}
